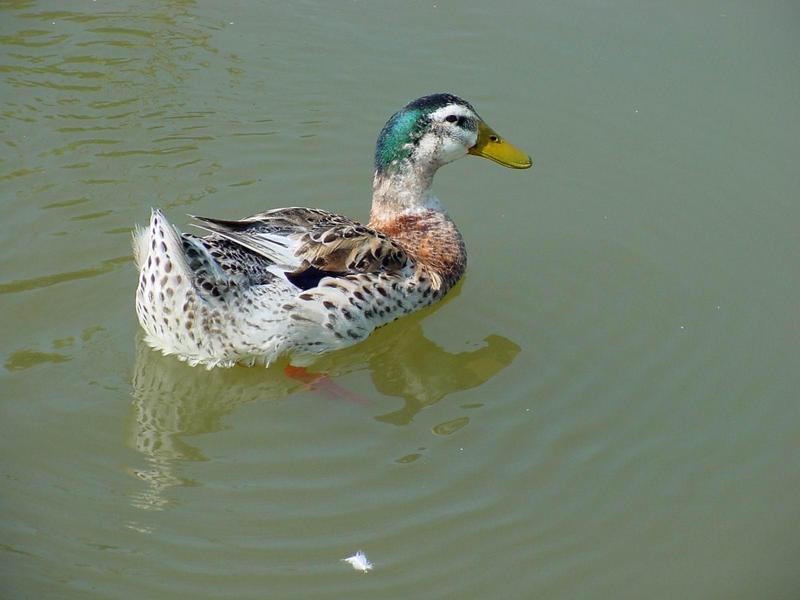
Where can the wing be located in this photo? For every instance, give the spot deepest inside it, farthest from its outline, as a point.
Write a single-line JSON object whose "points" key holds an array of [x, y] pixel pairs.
{"points": [[309, 244]]}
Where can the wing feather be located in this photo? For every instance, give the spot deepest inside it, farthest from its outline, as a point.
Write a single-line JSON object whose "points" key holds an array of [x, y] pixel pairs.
{"points": [[302, 239]]}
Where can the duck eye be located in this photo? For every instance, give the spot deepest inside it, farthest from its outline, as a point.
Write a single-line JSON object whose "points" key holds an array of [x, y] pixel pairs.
{"points": [[451, 118]]}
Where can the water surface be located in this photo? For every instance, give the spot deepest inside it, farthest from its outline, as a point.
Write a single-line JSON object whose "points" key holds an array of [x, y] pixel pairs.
{"points": [[607, 407]]}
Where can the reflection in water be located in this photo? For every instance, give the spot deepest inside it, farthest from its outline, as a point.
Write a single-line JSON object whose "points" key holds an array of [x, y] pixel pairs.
{"points": [[428, 373], [173, 400], [24, 285]]}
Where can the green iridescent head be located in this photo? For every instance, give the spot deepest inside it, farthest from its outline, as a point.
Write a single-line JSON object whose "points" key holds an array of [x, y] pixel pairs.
{"points": [[438, 129]]}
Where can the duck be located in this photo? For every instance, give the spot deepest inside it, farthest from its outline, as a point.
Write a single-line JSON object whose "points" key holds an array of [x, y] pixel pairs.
{"points": [[298, 282]]}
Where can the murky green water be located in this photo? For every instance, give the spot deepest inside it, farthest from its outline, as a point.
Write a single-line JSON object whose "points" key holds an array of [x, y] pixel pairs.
{"points": [[606, 408]]}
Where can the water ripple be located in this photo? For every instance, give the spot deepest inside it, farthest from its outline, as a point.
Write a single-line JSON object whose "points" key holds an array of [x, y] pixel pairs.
{"points": [[24, 285]]}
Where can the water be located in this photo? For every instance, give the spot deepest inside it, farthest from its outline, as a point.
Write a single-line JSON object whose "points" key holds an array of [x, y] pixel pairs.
{"points": [[606, 408]]}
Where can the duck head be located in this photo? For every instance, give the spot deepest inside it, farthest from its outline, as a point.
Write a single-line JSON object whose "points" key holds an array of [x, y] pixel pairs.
{"points": [[434, 130]]}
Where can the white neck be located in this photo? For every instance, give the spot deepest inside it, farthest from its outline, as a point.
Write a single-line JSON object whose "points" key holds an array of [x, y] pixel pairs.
{"points": [[405, 190]]}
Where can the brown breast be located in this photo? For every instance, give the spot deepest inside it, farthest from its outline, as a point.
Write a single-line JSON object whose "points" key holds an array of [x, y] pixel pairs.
{"points": [[431, 239]]}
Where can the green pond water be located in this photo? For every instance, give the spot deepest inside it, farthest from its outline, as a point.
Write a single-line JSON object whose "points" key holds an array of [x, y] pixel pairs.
{"points": [[607, 407]]}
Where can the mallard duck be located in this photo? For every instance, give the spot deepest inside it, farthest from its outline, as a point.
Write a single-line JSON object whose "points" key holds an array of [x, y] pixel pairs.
{"points": [[302, 281]]}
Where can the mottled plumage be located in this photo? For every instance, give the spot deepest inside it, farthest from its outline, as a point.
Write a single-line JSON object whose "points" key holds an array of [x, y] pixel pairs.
{"points": [[302, 281]]}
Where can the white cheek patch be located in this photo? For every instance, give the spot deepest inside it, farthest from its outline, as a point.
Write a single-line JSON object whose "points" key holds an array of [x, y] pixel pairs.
{"points": [[428, 147], [446, 143], [471, 138], [444, 150], [452, 149]]}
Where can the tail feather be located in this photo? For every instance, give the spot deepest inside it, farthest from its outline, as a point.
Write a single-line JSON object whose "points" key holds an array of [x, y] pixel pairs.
{"points": [[166, 288], [188, 301], [160, 239], [140, 242]]}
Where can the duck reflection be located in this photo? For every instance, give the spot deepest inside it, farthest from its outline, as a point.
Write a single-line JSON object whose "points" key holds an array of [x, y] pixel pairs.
{"points": [[173, 401], [404, 363]]}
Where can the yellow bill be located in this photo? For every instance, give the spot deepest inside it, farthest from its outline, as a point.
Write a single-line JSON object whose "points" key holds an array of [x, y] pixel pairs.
{"points": [[492, 146]]}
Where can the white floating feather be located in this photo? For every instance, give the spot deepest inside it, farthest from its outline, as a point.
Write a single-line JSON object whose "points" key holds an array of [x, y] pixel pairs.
{"points": [[359, 561]]}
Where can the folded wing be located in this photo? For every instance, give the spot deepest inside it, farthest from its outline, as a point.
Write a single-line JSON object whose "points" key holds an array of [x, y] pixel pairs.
{"points": [[309, 244]]}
